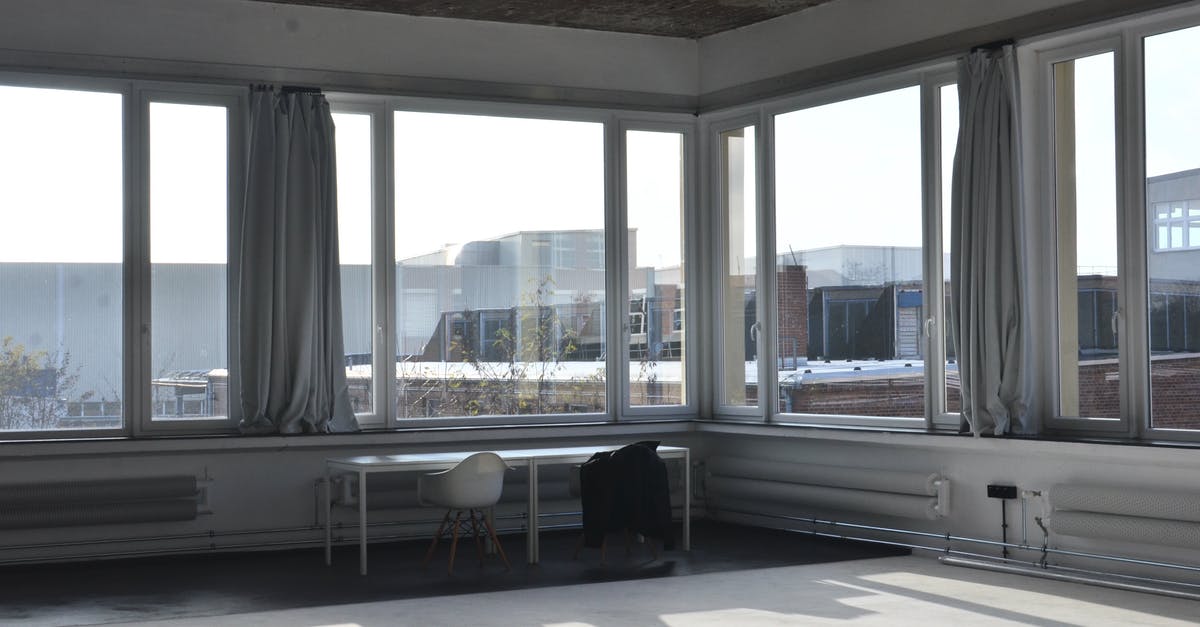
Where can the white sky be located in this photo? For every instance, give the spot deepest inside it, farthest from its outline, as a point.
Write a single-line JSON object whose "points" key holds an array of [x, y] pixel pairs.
{"points": [[846, 173]]}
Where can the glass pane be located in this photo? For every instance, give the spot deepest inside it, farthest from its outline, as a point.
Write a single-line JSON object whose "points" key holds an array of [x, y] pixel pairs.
{"points": [[188, 249], [1172, 134], [949, 142], [1086, 192], [60, 266], [739, 344], [654, 176], [354, 197], [849, 270], [487, 322]]}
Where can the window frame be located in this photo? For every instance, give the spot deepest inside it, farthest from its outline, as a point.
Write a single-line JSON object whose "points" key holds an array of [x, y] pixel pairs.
{"points": [[718, 222], [1126, 37], [688, 250], [928, 78], [235, 103]]}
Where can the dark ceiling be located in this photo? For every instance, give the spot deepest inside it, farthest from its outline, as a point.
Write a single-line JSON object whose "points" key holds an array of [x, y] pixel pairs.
{"points": [[669, 18]]}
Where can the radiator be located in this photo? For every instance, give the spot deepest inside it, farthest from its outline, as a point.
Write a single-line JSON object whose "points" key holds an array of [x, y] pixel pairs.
{"points": [[873, 491], [1126, 514], [100, 502]]}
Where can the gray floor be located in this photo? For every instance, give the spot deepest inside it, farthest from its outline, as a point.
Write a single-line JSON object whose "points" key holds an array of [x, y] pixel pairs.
{"points": [[893, 591]]}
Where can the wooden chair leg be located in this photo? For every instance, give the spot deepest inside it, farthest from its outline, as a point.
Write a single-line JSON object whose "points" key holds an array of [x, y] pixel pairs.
{"points": [[496, 543], [454, 541], [478, 541], [437, 537]]}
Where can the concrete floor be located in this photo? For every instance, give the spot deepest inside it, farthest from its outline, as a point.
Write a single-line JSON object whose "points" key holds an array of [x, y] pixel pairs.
{"points": [[894, 592], [218, 587]]}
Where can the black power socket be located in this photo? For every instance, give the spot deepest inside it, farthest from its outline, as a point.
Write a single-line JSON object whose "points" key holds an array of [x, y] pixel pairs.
{"points": [[1001, 491]]}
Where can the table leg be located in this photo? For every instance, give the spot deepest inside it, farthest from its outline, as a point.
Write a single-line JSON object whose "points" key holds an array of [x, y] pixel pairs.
{"points": [[362, 522], [687, 500], [328, 519], [531, 540]]}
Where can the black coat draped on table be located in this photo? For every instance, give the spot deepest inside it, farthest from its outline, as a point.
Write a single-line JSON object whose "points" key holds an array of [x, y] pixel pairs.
{"points": [[626, 489]]}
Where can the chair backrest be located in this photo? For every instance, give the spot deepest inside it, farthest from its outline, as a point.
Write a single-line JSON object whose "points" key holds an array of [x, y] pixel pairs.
{"points": [[473, 483]]}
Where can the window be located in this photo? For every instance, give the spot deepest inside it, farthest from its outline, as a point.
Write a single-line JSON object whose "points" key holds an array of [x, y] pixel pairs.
{"points": [[655, 267], [188, 262], [738, 274], [489, 213], [61, 287], [1173, 253], [1176, 223], [355, 208], [1085, 197], [850, 286]]}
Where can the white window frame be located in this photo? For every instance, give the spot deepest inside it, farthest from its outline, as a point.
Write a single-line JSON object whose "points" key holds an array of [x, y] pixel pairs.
{"points": [[690, 369], [1133, 236], [929, 79], [713, 128]]}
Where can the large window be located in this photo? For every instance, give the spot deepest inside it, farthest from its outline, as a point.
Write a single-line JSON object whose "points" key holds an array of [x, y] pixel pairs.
{"points": [[655, 267], [1173, 227], [188, 262], [850, 288], [1085, 198], [355, 198], [500, 308], [740, 328], [61, 286]]}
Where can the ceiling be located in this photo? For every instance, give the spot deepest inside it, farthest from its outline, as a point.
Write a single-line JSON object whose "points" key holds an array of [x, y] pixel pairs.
{"points": [[669, 18]]}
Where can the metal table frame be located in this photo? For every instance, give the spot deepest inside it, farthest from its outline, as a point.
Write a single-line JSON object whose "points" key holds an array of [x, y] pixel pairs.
{"points": [[529, 458]]}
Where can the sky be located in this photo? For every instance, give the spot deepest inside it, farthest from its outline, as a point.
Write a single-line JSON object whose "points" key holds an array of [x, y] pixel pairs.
{"points": [[846, 173]]}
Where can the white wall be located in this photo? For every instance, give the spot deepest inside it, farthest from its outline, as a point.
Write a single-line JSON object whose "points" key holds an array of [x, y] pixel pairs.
{"points": [[277, 36], [972, 464]]}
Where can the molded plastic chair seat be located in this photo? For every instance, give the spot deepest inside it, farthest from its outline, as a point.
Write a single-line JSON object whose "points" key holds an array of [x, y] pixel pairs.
{"points": [[474, 484]]}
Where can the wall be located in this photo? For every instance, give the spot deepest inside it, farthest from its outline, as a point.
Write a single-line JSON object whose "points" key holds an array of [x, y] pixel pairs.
{"points": [[268, 483], [274, 42], [972, 464]]}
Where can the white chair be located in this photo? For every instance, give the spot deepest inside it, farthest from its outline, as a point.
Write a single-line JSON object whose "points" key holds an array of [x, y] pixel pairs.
{"points": [[473, 485]]}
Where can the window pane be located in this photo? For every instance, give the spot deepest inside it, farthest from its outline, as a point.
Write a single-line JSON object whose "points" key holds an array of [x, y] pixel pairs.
{"points": [[188, 250], [354, 197], [654, 176], [60, 264], [1085, 177], [849, 269], [1173, 176], [487, 323], [739, 347], [949, 142]]}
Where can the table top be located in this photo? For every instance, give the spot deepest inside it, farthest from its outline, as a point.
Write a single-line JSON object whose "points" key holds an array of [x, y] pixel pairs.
{"points": [[514, 457]]}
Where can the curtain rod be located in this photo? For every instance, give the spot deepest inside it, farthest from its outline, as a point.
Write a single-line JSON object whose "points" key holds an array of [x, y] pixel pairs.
{"points": [[995, 45]]}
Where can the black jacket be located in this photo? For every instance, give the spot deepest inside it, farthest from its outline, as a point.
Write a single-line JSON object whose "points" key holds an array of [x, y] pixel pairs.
{"points": [[626, 489]]}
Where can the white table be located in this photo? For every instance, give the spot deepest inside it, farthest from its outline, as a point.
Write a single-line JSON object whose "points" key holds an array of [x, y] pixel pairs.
{"points": [[530, 458]]}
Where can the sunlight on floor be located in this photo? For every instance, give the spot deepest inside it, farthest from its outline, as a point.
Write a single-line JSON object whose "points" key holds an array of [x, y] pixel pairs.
{"points": [[1036, 605]]}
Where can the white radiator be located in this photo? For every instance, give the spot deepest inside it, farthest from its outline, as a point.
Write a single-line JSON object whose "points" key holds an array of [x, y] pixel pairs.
{"points": [[856, 489], [1126, 514], [100, 502]]}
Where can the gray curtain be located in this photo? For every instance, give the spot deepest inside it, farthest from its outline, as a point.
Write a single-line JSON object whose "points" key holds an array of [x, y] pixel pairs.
{"points": [[292, 368], [987, 308]]}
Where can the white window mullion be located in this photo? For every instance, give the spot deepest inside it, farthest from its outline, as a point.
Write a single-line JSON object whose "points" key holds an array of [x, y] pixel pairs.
{"points": [[931, 185], [1133, 310], [616, 274], [136, 267], [766, 309], [384, 255]]}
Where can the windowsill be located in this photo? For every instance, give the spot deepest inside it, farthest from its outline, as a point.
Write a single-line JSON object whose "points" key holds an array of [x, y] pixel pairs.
{"points": [[424, 436]]}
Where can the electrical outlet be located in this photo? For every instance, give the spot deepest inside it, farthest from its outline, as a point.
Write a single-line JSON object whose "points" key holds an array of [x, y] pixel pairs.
{"points": [[1001, 491]]}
